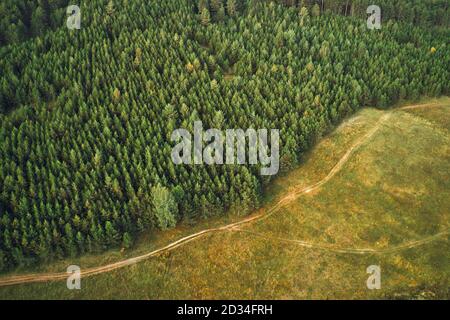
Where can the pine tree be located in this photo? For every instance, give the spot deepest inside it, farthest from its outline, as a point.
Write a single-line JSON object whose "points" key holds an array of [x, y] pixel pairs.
{"points": [[127, 241], [202, 4], [221, 13], [110, 10], [231, 7], [315, 10], [215, 5], [37, 21], [205, 17], [111, 233], [116, 94], [165, 207]]}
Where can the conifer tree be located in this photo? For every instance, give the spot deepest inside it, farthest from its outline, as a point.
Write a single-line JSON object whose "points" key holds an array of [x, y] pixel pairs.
{"points": [[231, 7], [205, 17]]}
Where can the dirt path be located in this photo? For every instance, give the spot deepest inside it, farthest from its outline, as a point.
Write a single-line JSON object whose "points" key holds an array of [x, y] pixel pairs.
{"points": [[325, 247], [291, 196], [416, 106]]}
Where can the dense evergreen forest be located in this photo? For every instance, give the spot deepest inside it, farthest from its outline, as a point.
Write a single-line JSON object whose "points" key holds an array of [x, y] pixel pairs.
{"points": [[424, 12], [24, 19], [86, 115]]}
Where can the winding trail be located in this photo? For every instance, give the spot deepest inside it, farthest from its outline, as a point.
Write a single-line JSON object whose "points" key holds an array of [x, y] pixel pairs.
{"points": [[235, 227], [392, 249]]}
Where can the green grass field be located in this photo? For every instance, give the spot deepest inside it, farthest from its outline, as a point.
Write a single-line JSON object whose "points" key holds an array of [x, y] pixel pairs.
{"points": [[393, 190]]}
